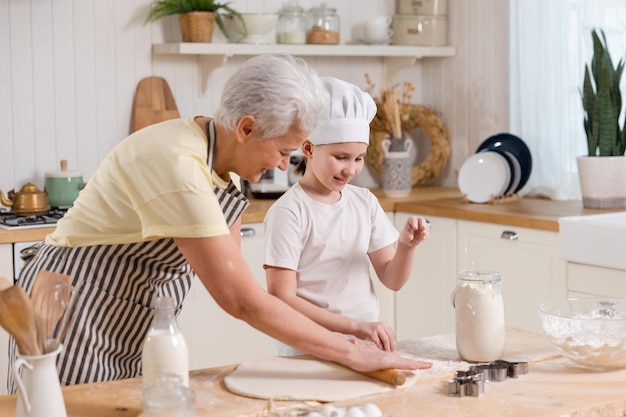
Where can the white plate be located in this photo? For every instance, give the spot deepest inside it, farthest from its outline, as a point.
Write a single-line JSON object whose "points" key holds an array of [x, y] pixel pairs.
{"points": [[483, 176], [516, 172], [515, 169]]}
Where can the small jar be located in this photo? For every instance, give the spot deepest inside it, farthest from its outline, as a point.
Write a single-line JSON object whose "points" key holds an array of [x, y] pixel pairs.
{"points": [[479, 311], [323, 25], [292, 25]]}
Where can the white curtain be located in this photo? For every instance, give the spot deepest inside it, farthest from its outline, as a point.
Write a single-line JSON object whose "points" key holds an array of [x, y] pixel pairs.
{"points": [[550, 45]]}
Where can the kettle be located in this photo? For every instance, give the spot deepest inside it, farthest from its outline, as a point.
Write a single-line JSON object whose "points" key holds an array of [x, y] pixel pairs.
{"points": [[29, 201]]}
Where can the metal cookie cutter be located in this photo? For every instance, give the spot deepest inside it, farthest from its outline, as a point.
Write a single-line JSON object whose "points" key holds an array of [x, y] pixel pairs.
{"points": [[467, 383], [471, 382]]}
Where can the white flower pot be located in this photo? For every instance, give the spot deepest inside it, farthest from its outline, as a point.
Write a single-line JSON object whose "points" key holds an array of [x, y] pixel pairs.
{"points": [[602, 181]]}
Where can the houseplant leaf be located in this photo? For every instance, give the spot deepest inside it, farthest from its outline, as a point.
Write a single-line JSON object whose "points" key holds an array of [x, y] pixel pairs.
{"points": [[602, 101]]}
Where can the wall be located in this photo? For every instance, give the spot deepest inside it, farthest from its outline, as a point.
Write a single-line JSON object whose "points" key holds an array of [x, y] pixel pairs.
{"points": [[68, 71]]}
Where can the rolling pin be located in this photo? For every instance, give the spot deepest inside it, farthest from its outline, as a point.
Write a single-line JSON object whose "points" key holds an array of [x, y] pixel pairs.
{"points": [[390, 376]]}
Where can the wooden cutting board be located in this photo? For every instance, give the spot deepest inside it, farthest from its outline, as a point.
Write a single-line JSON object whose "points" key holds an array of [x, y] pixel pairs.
{"points": [[153, 103]]}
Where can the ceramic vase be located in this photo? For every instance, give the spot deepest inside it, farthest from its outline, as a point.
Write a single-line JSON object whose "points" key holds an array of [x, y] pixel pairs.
{"points": [[397, 164], [38, 388], [602, 181]]}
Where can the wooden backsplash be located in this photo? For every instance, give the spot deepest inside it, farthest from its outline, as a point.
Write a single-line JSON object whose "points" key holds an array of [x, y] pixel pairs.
{"points": [[69, 70]]}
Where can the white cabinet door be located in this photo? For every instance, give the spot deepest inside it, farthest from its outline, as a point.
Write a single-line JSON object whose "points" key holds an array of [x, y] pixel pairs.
{"points": [[529, 260], [6, 261], [423, 305], [215, 338], [587, 280], [6, 271]]}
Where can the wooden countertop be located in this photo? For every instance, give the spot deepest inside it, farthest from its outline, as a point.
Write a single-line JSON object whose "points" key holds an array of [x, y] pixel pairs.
{"points": [[553, 387], [254, 214], [535, 213]]}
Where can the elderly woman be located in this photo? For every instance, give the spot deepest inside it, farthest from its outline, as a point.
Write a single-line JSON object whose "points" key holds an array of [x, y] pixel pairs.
{"points": [[162, 209]]}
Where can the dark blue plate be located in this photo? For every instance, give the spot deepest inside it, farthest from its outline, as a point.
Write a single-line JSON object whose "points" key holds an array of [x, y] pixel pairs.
{"points": [[505, 142]]}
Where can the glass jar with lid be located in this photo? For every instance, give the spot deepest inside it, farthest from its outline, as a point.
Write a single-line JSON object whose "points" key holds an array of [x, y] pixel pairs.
{"points": [[479, 311], [292, 25], [323, 25]]}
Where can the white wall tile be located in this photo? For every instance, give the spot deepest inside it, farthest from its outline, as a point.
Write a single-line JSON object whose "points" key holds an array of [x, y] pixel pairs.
{"points": [[73, 66]]}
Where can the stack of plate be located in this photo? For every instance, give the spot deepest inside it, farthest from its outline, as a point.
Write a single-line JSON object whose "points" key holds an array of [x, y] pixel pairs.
{"points": [[500, 167]]}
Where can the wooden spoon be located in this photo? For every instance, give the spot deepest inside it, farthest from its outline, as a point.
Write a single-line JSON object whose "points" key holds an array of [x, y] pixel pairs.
{"points": [[18, 318], [51, 292]]}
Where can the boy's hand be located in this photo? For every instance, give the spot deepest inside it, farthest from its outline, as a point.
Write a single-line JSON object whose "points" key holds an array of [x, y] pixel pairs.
{"points": [[415, 231]]}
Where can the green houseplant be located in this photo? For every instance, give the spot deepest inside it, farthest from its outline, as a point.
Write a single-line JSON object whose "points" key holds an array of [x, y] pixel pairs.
{"points": [[602, 173], [603, 104], [196, 17]]}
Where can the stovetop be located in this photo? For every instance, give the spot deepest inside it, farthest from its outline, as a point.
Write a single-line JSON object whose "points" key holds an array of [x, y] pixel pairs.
{"points": [[11, 221]]}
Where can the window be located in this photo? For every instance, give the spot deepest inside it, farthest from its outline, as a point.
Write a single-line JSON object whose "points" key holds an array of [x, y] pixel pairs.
{"points": [[550, 45]]}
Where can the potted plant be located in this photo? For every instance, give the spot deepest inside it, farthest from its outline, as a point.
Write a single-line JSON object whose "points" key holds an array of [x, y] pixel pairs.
{"points": [[196, 17], [602, 172]]}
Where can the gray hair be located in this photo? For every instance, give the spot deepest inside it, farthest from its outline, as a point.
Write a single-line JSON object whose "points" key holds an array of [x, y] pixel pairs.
{"points": [[280, 91]]}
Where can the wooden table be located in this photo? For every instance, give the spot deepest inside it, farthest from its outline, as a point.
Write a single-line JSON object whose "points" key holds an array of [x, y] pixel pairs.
{"points": [[554, 387]]}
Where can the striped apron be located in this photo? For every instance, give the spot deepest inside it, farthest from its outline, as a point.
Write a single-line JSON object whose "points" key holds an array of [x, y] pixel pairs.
{"points": [[114, 289]]}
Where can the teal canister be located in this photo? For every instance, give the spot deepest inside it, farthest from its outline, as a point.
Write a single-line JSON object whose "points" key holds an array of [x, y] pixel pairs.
{"points": [[63, 186]]}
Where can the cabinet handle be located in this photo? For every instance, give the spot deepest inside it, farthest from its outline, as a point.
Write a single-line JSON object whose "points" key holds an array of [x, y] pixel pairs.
{"points": [[247, 232], [509, 235]]}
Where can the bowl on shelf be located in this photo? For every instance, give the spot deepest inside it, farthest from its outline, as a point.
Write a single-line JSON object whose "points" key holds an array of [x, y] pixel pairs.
{"points": [[257, 30], [589, 331]]}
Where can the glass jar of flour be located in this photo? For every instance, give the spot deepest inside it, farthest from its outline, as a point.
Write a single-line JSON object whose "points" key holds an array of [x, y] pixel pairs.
{"points": [[479, 312], [292, 24]]}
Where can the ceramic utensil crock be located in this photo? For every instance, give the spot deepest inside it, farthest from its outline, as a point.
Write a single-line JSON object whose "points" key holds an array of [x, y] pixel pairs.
{"points": [[397, 163], [38, 389], [63, 186]]}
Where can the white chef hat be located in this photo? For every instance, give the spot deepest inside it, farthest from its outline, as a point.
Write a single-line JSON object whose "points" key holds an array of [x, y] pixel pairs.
{"points": [[351, 111]]}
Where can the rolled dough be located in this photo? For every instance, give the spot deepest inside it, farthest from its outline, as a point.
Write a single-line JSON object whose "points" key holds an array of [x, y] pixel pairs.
{"points": [[303, 378]]}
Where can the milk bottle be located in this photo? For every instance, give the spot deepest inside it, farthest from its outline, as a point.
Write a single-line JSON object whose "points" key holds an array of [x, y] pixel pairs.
{"points": [[164, 350]]}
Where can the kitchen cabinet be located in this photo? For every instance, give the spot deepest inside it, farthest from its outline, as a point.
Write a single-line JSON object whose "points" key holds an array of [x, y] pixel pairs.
{"points": [[529, 260], [586, 280], [213, 336], [213, 55], [6, 271], [423, 305], [6, 261]]}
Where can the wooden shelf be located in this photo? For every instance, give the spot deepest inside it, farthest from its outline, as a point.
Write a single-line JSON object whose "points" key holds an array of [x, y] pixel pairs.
{"points": [[213, 55]]}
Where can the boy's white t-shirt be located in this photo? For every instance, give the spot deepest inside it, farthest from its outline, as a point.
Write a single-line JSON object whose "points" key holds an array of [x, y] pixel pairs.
{"points": [[327, 246]]}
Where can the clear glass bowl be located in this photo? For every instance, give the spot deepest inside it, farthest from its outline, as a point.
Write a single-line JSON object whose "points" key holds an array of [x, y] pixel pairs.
{"points": [[589, 331]]}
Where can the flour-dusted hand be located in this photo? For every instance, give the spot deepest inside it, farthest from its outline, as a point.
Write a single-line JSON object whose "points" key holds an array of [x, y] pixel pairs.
{"points": [[415, 230], [367, 358]]}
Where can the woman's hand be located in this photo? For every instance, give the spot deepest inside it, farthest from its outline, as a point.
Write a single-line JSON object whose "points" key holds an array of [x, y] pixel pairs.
{"points": [[368, 357], [415, 230]]}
